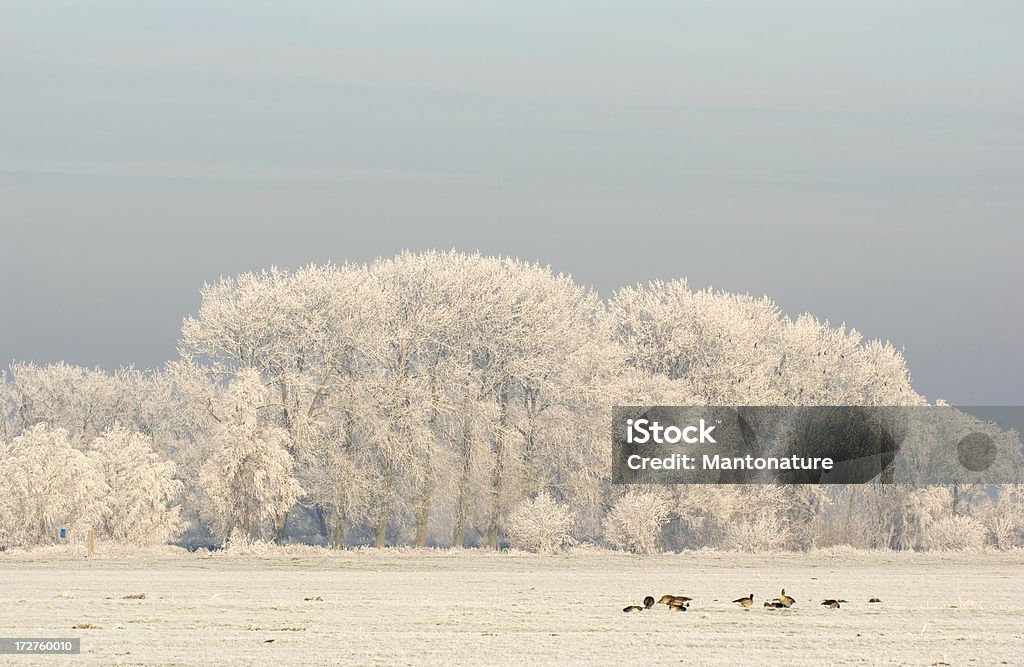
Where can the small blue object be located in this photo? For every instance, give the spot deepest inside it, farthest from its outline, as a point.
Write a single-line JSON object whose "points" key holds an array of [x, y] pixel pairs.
{"points": [[63, 533]]}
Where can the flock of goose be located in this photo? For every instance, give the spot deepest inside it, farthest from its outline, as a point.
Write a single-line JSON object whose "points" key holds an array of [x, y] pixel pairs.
{"points": [[682, 602], [674, 602]]}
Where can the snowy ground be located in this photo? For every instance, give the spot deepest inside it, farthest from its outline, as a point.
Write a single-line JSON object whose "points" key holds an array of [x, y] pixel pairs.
{"points": [[408, 607]]}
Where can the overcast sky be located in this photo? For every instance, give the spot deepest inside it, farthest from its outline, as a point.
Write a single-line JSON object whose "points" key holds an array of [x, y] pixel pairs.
{"points": [[861, 161]]}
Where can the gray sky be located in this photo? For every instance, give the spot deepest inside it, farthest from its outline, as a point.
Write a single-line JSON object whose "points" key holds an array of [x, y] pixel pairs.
{"points": [[862, 161]]}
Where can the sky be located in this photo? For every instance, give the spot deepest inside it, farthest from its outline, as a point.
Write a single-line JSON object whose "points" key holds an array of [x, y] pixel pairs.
{"points": [[861, 161]]}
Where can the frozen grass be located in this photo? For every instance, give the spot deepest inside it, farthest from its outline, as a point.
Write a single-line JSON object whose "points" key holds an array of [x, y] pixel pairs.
{"points": [[395, 607]]}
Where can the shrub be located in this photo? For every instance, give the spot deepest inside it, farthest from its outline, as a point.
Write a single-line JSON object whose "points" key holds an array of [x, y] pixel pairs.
{"points": [[635, 522], [240, 543], [1003, 516], [764, 533], [956, 533], [540, 525]]}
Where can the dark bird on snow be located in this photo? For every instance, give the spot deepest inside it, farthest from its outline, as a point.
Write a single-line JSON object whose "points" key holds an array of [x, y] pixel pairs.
{"points": [[774, 604], [831, 604], [648, 603], [674, 599], [745, 602], [874, 600], [786, 600], [676, 607]]}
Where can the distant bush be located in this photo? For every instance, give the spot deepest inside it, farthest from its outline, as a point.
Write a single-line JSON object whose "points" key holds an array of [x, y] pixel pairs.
{"points": [[635, 522], [765, 533], [540, 525], [956, 533], [239, 543], [1003, 516]]}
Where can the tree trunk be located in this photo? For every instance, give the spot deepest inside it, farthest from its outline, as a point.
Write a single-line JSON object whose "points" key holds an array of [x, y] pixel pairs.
{"points": [[459, 529], [421, 525], [321, 521], [498, 473], [423, 506], [279, 525], [385, 509], [382, 526], [427, 489], [531, 477], [348, 444], [338, 532], [849, 517]]}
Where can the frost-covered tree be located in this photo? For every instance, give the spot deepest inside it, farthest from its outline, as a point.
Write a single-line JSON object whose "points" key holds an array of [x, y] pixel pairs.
{"points": [[45, 485], [140, 505], [727, 346], [304, 333], [248, 482], [826, 365], [301, 331], [739, 350], [543, 370], [481, 376], [335, 481], [425, 398], [407, 343], [84, 402]]}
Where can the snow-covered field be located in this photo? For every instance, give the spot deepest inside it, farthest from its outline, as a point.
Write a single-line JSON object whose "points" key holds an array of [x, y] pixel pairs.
{"points": [[398, 607]]}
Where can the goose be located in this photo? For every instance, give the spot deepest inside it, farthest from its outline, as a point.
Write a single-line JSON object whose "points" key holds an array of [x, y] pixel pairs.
{"points": [[831, 604], [674, 599], [786, 600], [648, 603], [874, 600], [745, 602], [774, 604], [677, 607]]}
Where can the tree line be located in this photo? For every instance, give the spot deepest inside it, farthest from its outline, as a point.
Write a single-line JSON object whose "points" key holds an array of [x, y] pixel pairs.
{"points": [[439, 399]]}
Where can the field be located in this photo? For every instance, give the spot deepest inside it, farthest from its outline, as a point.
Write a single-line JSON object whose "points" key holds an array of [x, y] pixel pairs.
{"points": [[395, 607]]}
